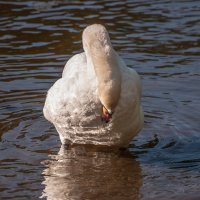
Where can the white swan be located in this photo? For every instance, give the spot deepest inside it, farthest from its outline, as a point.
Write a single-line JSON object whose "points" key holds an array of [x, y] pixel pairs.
{"points": [[97, 100]]}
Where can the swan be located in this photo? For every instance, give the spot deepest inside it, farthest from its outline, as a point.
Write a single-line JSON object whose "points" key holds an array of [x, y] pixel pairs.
{"points": [[97, 101]]}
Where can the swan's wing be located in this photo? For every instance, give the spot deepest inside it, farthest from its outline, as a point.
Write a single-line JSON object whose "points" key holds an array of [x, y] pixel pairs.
{"points": [[137, 114], [72, 96], [131, 79], [66, 95], [130, 114], [78, 61]]}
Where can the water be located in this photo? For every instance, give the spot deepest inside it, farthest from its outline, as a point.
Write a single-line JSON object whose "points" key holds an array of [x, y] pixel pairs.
{"points": [[161, 40]]}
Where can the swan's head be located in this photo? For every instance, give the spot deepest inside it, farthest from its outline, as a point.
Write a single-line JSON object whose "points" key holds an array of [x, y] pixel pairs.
{"points": [[95, 37], [99, 52]]}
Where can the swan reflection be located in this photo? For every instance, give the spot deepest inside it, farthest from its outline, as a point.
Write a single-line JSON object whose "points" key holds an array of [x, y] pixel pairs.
{"points": [[82, 173]]}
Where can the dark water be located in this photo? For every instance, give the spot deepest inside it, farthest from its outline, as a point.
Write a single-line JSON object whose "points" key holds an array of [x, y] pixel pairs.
{"points": [[161, 40]]}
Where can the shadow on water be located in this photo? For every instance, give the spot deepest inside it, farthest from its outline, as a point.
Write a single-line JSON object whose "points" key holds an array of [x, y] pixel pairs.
{"points": [[82, 173]]}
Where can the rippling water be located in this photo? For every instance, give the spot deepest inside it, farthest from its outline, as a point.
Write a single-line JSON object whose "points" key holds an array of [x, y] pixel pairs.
{"points": [[161, 40]]}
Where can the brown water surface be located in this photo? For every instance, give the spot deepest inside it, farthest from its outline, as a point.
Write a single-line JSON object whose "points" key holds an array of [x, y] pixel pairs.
{"points": [[161, 40]]}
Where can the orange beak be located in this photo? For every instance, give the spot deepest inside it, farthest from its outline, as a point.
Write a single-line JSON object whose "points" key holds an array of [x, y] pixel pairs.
{"points": [[105, 116]]}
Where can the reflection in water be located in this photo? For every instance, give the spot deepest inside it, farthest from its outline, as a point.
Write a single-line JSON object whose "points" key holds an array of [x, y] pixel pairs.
{"points": [[81, 173]]}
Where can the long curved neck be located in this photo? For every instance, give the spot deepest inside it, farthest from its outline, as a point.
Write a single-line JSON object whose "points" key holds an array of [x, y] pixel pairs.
{"points": [[108, 74]]}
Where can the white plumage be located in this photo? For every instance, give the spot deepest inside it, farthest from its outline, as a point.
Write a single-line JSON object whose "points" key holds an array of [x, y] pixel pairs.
{"points": [[74, 102]]}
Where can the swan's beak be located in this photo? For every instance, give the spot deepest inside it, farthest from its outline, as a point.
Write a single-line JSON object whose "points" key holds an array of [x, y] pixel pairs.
{"points": [[106, 115]]}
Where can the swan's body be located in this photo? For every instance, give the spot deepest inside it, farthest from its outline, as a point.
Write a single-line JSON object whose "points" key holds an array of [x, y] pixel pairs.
{"points": [[95, 78]]}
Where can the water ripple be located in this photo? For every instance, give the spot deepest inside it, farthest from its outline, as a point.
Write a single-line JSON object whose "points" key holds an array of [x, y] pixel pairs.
{"points": [[160, 39]]}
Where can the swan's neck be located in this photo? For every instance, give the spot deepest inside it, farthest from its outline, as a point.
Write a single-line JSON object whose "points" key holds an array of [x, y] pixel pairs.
{"points": [[107, 70]]}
